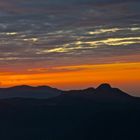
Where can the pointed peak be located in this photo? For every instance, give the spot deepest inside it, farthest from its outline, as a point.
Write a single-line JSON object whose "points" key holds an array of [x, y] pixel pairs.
{"points": [[104, 86]]}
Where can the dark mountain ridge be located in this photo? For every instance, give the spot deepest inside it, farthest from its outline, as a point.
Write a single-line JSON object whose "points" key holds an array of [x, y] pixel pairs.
{"points": [[44, 92], [25, 91], [104, 113]]}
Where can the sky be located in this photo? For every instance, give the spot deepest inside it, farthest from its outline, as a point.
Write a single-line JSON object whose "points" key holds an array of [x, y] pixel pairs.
{"points": [[70, 44]]}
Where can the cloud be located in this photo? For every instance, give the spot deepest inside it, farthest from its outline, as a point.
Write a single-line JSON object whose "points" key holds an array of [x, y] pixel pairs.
{"points": [[58, 31]]}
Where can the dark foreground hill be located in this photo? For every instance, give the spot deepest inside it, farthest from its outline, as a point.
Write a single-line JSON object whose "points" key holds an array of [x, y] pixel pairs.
{"points": [[104, 113]]}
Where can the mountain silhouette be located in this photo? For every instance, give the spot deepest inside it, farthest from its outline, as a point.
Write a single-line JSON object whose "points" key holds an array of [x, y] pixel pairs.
{"points": [[25, 91], [103, 92], [31, 113]]}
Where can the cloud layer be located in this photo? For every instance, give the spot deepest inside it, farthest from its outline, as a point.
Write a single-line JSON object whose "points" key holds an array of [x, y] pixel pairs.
{"points": [[66, 32]]}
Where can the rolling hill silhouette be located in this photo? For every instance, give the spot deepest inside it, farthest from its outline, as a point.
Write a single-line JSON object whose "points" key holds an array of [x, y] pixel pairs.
{"points": [[103, 92], [25, 91], [104, 113]]}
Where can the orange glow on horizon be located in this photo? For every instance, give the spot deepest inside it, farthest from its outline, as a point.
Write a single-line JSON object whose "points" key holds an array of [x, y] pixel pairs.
{"points": [[68, 77]]}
